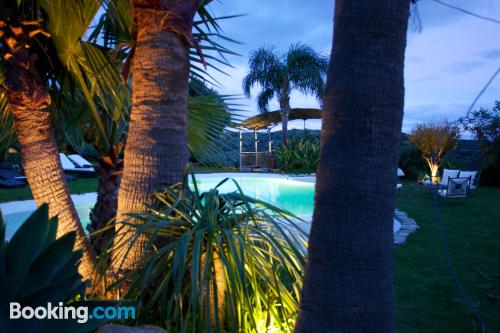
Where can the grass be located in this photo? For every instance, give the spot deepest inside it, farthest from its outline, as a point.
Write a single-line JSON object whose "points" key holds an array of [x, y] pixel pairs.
{"points": [[427, 299]]}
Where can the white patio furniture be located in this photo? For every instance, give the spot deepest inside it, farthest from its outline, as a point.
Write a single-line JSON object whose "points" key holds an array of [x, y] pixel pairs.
{"points": [[447, 174], [70, 167], [456, 188], [79, 161], [473, 176]]}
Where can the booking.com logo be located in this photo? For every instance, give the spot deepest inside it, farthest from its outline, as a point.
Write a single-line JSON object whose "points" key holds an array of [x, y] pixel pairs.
{"points": [[81, 314]]}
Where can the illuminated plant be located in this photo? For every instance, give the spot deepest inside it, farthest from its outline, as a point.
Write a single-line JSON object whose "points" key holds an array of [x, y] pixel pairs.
{"points": [[434, 140], [231, 263]]}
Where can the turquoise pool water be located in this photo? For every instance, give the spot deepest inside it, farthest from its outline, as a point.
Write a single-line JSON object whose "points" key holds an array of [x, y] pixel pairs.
{"points": [[294, 196], [13, 221]]}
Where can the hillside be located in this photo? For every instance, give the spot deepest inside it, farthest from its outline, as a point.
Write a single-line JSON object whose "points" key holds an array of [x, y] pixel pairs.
{"points": [[466, 156]]}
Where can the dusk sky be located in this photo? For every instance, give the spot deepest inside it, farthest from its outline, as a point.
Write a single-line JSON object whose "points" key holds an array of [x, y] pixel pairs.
{"points": [[447, 62]]}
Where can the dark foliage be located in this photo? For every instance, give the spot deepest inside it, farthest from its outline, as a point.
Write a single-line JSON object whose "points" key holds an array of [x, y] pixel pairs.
{"points": [[485, 125]]}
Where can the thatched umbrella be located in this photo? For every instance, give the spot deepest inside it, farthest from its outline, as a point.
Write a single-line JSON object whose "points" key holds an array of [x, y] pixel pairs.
{"points": [[267, 121], [271, 119]]}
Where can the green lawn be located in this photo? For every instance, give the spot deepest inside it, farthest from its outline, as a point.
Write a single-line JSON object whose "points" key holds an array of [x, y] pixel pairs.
{"points": [[427, 299]]}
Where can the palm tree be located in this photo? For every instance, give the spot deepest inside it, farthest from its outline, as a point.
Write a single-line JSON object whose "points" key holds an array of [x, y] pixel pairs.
{"points": [[301, 69], [43, 58], [208, 114], [156, 152], [348, 284], [81, 132]]}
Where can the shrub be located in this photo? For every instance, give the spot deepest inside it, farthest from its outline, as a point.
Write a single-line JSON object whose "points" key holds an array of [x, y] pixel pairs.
{"points": [[299, 156], [231, 264], [485, 125]]}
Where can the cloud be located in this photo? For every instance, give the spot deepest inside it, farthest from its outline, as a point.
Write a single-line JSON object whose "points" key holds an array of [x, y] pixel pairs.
{"points": [[491, 54], [463, 67]]}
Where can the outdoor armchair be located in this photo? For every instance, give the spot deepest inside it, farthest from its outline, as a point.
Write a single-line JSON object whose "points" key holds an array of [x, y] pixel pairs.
{"points": [[474, 178], [456, 188]]}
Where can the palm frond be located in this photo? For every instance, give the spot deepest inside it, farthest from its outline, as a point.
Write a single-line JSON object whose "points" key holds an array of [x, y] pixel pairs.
{"points": [[264, 97], [266, 70], [7, 130], [306, 69], [208, 118], [87, 64], [115, 26]]}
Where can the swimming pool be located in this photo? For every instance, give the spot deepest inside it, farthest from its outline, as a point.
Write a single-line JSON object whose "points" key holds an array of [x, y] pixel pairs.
{"points": [[295, 194]]}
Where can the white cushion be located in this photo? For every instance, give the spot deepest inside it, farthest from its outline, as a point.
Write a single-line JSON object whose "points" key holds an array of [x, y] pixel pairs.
{"points": [[66, 162], [472, 175], [67, 165], [398, 186], [80, 161], [448, 173]]}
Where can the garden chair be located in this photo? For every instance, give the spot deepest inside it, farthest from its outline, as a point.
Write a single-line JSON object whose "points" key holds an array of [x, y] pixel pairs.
{"points": [[474, 178], [447, 174], [457, 188]]}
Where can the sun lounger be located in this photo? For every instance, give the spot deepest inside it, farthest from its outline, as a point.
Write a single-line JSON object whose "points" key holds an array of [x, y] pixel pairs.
{"points": [[79, 161], [71, 168], [11, 183], [6, 174]]}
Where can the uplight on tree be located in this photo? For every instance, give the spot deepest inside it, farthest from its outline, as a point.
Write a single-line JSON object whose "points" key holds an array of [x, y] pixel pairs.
{"points": [[434, 139]]}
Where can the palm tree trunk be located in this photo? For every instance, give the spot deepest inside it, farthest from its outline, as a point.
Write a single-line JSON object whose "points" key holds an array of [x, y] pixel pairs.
{"points": [[40, 157], [348, 284], [156, 152], [284, 127], [105, 207], [285, 113]]}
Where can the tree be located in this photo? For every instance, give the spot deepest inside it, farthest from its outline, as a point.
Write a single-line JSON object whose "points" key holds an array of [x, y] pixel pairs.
{"points": [[156, 152], [434, 139], [301, 69], [485, 125], [348, 284], [43, 57], [208, 115]]}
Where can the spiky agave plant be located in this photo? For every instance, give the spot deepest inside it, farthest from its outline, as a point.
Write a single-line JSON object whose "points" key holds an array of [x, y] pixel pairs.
{"points": [[231, 263], [35, 269]]}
